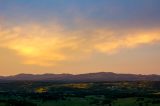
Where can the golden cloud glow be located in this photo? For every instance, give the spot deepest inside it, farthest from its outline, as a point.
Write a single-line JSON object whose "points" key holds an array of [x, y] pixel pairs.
{"points": [[128, 41], [50, 45]]}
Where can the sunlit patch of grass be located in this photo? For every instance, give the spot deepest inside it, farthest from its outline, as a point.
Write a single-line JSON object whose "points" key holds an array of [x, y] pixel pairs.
{"points": [[157, 93], [79, 86], [40, 90]]}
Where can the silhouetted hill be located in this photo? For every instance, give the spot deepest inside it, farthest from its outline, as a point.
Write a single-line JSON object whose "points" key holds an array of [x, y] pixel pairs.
{"points": [[89, 77]]}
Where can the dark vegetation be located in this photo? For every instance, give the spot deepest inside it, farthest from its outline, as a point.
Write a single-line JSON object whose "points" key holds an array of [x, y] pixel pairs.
{"points": [[122, 93]]}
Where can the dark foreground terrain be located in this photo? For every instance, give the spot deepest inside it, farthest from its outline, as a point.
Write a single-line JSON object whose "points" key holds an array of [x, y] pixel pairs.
{"points": [[123, 93]]}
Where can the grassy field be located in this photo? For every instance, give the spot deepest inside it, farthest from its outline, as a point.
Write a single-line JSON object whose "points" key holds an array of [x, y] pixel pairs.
{"points": [[80, 94], [95, 101], [87, 102]]}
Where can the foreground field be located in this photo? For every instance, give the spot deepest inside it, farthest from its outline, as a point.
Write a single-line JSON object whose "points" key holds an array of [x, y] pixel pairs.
{"points": [[86, 102], [139, 93], [118, 102]]}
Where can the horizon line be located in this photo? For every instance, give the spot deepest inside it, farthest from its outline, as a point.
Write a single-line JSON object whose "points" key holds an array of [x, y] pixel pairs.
{"points": [[74, 74]]}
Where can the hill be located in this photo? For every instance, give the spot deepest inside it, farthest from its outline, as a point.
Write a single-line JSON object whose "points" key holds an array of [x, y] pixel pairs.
{"points": [[89, 77]]}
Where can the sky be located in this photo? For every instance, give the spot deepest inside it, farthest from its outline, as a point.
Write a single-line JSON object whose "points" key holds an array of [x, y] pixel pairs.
{"points": [[79, 36]]}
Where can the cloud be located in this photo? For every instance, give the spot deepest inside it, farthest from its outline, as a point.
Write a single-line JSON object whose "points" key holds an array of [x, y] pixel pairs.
{"points": [[49, 45], [130, 39], [37, 44]]}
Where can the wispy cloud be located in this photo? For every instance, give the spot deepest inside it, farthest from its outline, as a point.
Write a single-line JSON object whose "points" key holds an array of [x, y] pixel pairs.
{"points": [[129, 39], [49, 45]]}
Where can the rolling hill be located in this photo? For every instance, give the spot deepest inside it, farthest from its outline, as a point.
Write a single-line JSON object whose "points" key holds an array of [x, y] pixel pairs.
{"points": [[89, 77]]}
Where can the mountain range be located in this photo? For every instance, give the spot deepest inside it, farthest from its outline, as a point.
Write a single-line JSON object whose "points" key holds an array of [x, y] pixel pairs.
{"points": [[89, 77]]}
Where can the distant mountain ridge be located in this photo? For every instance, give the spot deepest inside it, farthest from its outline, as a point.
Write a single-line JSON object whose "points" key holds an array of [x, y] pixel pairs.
{"points": [[89, 77]]}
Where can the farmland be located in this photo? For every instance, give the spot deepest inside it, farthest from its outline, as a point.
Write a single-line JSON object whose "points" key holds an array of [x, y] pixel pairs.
{"points": [[123, 93]]}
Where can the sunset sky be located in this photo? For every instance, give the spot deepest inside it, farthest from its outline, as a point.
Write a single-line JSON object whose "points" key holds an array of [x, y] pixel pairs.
{"points": [[79, 36]]}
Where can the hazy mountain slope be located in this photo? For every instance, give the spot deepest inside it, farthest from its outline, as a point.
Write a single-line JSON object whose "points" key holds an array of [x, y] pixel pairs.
{"points": [[89, 77]]}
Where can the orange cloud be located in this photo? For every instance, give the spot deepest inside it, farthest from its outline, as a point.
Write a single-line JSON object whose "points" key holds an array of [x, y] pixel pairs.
{"points": [[50, 45], [128, 40], [38, 44]]}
